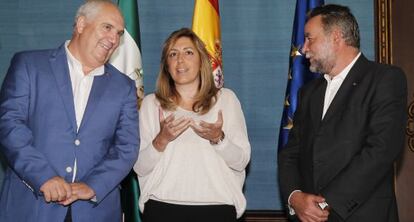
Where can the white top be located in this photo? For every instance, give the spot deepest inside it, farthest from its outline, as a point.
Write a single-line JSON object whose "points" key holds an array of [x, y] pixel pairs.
{"points": [[191, 171], [334, 84]]}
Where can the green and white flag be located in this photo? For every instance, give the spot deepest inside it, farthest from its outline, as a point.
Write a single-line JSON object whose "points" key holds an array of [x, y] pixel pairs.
{"points": [[127, 59]]}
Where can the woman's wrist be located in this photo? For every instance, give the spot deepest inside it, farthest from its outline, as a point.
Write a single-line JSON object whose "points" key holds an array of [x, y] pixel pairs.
{"points": [[218, 140], [159, 144]]}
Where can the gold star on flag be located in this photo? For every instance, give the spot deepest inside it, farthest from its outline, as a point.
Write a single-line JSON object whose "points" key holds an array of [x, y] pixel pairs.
{"points": [[289, 125], [287, 101], [295, 51], [290, 74]]}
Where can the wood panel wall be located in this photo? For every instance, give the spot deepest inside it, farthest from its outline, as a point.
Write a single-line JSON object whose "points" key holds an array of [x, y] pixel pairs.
{"points": [[402, 38]]}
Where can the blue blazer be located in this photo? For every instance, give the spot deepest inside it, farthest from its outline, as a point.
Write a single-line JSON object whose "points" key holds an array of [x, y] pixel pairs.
{"points": [[39, 138]]}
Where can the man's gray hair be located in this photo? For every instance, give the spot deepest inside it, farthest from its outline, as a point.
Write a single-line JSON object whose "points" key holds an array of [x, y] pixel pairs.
{"points": [[90, 8], [338, 16]]}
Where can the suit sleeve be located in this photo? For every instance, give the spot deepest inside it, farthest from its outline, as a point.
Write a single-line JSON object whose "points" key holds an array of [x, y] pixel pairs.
{"points": [[383, 143], [288, 157], [123, 153], [16, 136]]}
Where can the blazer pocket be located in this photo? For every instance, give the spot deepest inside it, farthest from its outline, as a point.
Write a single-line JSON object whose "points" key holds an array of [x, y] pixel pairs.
{"points": [[329, 162]]}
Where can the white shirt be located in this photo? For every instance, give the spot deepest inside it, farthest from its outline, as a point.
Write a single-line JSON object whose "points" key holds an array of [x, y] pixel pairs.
{"points": [[191, 171], [81, 88], [334, 84]]}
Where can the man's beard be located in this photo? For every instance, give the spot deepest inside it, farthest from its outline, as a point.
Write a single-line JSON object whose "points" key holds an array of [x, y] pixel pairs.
{"points": [[323, 65]]}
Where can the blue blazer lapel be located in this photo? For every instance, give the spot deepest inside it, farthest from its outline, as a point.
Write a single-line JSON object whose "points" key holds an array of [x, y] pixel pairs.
{"points": [[98, 88], [60, 69]]}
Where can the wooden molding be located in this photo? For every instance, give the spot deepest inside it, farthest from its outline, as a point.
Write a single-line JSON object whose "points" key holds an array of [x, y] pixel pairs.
{"points": [[383, 31], [264, 216], [410, 126]]}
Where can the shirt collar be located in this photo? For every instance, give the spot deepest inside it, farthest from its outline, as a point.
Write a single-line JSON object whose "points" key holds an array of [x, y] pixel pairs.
{"points": [[100, 70], [342, 75]]}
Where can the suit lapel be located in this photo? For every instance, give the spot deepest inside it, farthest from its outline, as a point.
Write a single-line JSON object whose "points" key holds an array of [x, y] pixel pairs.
{"points": [[316, 103], [344, 93], [60, 69], [98, 89]]}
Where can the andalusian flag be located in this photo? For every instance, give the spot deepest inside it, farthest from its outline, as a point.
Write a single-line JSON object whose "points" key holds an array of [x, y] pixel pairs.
{"points": [[299, 72], [206, 24], [127, 59]]}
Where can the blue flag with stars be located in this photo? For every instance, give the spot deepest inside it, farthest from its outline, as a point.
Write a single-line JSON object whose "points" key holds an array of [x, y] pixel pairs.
{"points": [[299, 73]]}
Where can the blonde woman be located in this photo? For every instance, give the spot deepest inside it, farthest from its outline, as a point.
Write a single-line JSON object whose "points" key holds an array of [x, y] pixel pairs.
{"points": [[194, 144]]}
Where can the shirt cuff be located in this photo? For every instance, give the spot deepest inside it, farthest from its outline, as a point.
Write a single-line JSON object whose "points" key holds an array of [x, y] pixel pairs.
{"points": [[221, 145], [154, 154], [291, 210], [94, 199]]}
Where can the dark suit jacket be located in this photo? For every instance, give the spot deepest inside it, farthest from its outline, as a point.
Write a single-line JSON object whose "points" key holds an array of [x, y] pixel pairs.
{"points": [[348, 156], [39, 138]]}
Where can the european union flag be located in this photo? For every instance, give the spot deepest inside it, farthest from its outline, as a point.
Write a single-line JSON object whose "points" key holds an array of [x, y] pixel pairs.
{"points": [[299, 72]]}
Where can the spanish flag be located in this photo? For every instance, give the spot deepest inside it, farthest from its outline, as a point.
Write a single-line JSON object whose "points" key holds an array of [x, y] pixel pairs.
{"points": [[206, 24]]}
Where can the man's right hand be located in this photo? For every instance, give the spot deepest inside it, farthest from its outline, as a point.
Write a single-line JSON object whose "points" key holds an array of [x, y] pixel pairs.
{"points": [[56, 189], [306, 207]]}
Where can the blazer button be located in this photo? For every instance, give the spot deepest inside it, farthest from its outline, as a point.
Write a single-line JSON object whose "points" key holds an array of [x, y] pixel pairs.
{"points": [[77, 142], [68, 169]]}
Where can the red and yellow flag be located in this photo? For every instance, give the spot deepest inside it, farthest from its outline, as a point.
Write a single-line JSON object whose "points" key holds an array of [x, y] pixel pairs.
{"points": [[206, 24]]}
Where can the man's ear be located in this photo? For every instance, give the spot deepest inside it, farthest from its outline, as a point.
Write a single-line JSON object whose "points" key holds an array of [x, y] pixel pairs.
{"points": [[80, 24], [337, 36]]}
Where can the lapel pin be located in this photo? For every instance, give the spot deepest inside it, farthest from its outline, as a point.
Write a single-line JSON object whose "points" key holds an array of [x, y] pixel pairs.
{"points": [[354, 83]]}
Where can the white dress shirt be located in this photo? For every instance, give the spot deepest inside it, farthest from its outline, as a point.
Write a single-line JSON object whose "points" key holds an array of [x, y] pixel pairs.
{"points": [[334, 84], [81, 88]]}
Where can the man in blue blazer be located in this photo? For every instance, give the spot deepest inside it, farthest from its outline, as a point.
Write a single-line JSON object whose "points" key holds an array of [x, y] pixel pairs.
{"points": [[69, 126], [348, 128]]}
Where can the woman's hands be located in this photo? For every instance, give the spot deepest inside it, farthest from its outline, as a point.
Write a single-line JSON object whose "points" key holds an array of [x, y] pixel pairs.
{"points": [[170, 129], [210, 131]]}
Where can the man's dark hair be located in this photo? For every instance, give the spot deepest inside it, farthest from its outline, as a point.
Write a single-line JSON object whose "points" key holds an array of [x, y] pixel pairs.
{"points": [[341, 17]]}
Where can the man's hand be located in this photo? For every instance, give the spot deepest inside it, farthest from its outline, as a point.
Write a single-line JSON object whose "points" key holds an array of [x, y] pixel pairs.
{"points": [[306, 207], [56, 189], [80, 191]]}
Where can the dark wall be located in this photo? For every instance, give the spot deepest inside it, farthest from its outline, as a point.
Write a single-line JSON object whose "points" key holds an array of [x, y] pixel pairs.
{"points": [[403, 55]]}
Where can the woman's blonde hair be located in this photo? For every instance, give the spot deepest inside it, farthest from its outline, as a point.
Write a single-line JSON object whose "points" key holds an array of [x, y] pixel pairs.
{"points": [[166, 92]]}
